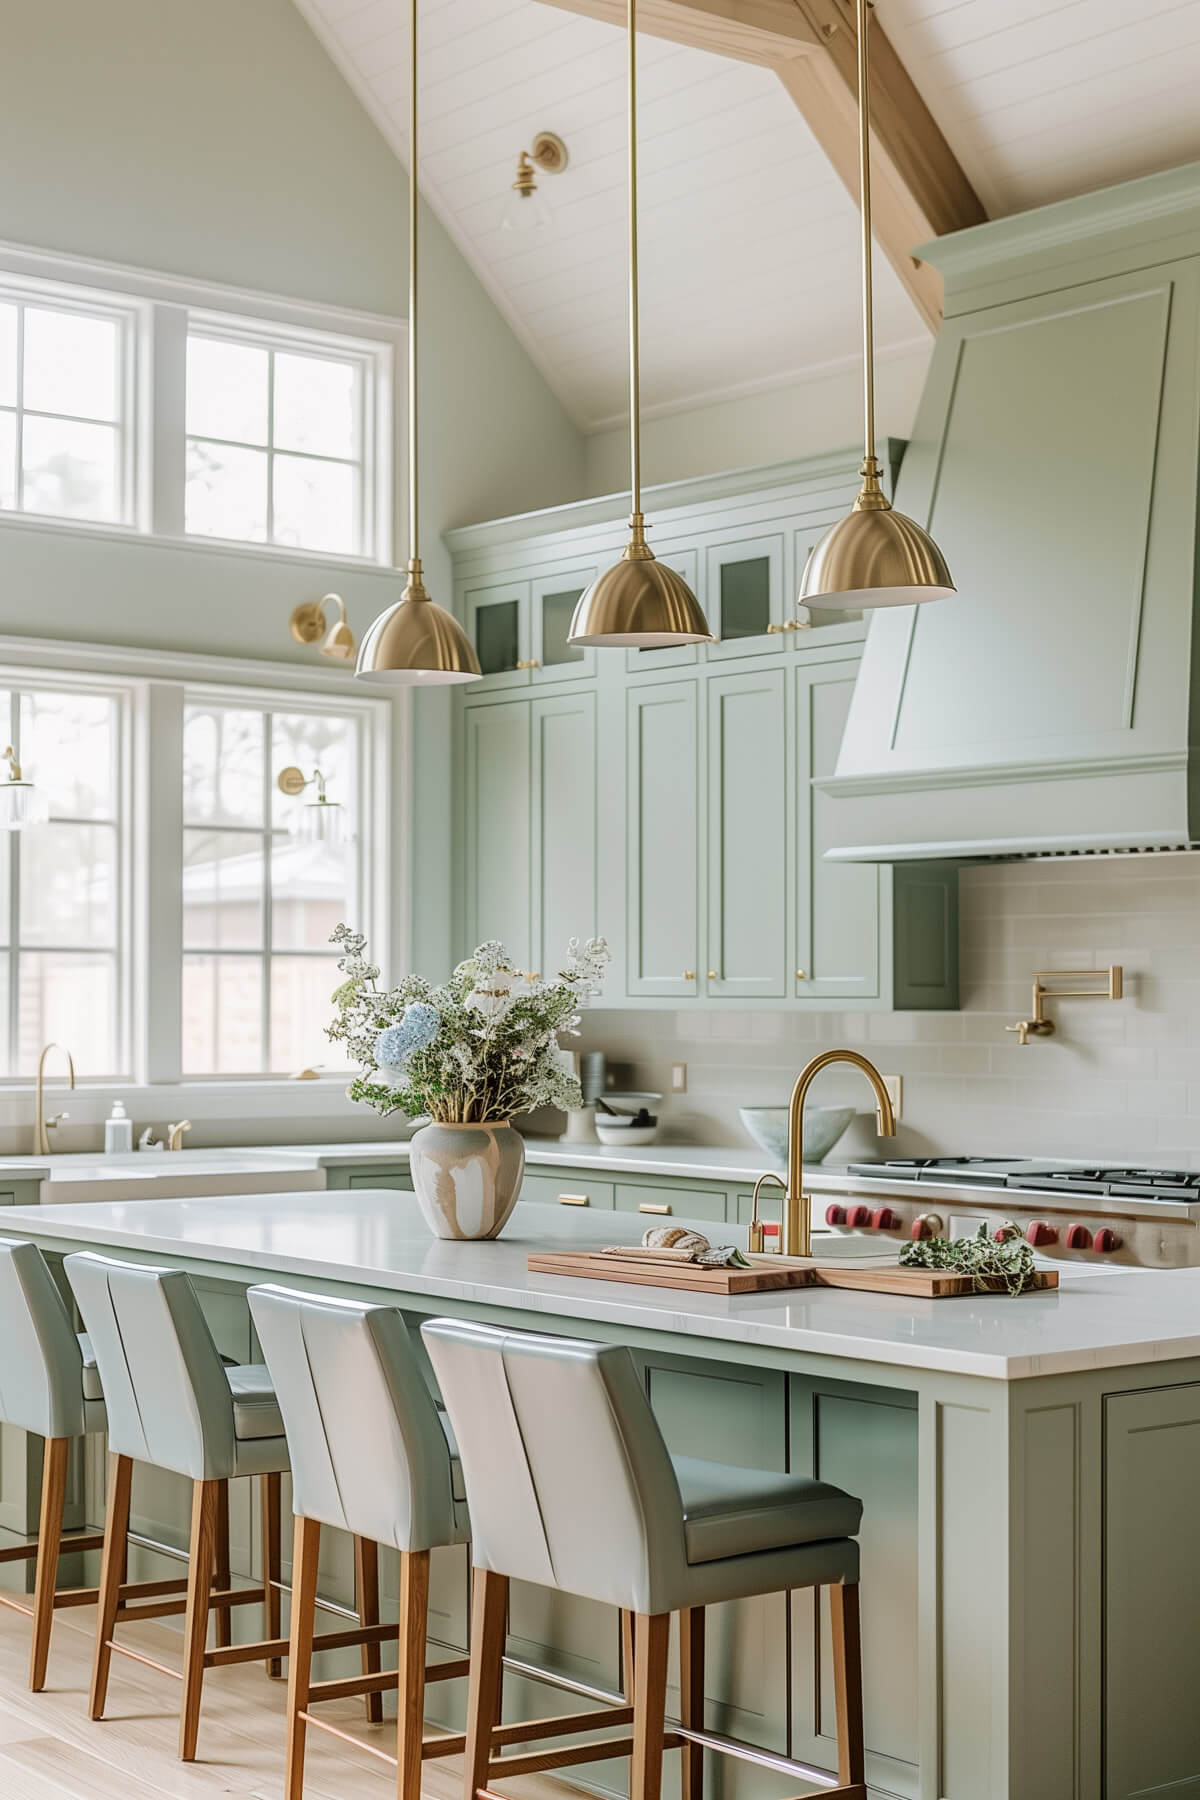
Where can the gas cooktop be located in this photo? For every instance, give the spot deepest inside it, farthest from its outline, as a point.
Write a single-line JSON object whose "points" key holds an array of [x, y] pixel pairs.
{"points": [[1047, 1177]]}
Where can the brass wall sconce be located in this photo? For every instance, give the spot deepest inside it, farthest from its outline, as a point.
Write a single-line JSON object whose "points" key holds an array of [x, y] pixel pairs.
{"points": [[1038, 1025], [308, 625], [525, 207], [21, 803], [322, 820]]}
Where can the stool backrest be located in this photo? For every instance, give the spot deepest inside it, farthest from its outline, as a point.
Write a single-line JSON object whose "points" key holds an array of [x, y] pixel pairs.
{"points": [[368, 1451], [41, 1366], [569, 1481], [168, 1397]]}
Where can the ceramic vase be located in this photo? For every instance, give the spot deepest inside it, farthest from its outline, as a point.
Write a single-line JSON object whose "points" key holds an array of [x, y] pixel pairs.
{"points": [[467, 1177]]}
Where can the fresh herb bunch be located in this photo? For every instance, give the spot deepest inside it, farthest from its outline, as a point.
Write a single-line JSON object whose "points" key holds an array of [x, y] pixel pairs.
{"points": [[481, 1046], [982, 1257]]}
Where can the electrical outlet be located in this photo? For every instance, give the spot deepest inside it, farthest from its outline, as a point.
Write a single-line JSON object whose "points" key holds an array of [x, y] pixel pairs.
{"points": [[679, 1078], [895, 1087]]}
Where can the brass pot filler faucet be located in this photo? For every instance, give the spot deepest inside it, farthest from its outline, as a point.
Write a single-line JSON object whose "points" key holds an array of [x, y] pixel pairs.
{"points": [[1037, 1024]]}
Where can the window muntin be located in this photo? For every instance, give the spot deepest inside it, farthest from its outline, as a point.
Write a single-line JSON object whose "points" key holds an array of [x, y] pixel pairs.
{"points": [[66, 407], [278, 442], [259, 901], [63, 956]]}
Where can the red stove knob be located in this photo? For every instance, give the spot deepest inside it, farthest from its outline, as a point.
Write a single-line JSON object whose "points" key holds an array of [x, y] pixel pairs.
{"points": [[1038, 1232], [1106, 1241], [884, 1219], [835, 1215], [925, 1225], [859, 1216], [1078, 1237]]}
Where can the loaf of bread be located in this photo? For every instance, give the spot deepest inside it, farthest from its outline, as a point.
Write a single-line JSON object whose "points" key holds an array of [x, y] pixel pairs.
{"points": [[674, 1237]]}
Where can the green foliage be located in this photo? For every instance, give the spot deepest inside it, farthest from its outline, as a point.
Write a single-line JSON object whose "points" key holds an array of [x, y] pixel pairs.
{"points": [[1009, 1261]]}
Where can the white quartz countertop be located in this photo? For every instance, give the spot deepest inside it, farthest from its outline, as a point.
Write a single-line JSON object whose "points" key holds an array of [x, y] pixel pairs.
{"points": [[376, 1239], [689, 1162]]}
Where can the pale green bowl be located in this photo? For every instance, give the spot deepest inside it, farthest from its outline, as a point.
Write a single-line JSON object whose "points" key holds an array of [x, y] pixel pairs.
{"points": [[823, 1126]]}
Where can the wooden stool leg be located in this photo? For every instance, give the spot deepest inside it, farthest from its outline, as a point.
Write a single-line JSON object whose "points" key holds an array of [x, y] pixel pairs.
{"points": [[691, 1699], [847, 1679], [650, 1640], [54, 1497], [208, 1504], [222, 1574], [489, 1608], [305, 1556], [270, 1494], [366, 1598], [112, 1568], [410, 1714]]}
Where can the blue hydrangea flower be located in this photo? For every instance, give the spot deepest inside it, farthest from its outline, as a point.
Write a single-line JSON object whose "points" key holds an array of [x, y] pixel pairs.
{"points": [[415, 1031]]}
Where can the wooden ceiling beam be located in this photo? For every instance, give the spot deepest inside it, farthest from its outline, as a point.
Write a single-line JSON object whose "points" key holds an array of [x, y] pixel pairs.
{"points": [[919, 188]]}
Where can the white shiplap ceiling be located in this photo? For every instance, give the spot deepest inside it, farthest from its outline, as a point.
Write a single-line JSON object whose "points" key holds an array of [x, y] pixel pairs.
{"points": [[749, 247], [749, 240], [1042, 99]]}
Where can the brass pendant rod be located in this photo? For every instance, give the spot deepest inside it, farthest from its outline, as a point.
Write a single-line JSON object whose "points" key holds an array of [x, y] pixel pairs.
{"points": [[635, 386], [413, 551], [864, 182]]}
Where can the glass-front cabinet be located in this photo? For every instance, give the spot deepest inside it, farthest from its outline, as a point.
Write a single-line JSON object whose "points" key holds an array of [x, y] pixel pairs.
{"points": [[747, 605], [521, 629]]}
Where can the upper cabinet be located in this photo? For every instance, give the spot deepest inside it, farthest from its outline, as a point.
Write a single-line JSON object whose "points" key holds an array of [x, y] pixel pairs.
{"points": [[1048, 705], [666, 798]]}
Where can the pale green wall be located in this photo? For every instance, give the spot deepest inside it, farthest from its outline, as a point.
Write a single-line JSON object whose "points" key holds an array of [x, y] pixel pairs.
{"points": [[218, 141], [803, 418]]}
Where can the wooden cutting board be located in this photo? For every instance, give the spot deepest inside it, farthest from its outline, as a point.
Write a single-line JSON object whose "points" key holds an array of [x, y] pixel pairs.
{"points": [[665, 1270]]}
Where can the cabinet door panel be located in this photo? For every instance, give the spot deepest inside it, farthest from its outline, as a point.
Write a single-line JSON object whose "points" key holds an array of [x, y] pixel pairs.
{"points": [[552, 607], [676, 1203], [747, 835], [564, 825], [498, 626], [838, 904], [746, 595], [498, 875], [644, 662], [662, 864]]}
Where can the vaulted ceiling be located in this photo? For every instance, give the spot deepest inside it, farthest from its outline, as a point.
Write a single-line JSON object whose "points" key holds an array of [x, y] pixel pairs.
{"points": [[749, 235]]}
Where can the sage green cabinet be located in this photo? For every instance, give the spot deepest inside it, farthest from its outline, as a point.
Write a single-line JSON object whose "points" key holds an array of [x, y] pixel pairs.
{"points": [[564, 773], [676, 656], [498, 848], [552, 602], [747, 604], [749, 831], [498, 625], [662, 872], [838, 905], [658, 1200], [520, 629]]}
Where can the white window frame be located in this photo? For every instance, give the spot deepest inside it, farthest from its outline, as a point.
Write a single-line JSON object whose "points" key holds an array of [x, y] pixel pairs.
{"points": [[18, 679], [159, 308], [362, 807], [132, 318]]}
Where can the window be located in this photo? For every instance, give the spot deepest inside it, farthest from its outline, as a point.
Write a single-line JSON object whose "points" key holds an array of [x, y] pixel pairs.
{"points": [[66, 407], [259, 898], [278, 438], [63, 965]]}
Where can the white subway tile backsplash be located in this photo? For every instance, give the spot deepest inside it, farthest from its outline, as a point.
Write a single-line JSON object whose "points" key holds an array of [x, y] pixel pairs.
{"points": [[1120, 1080]]}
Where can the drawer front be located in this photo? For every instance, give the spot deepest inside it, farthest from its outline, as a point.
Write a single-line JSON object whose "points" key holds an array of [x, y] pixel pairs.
{"points": [[568, 1189], [671, 1202], [382, 1181]]}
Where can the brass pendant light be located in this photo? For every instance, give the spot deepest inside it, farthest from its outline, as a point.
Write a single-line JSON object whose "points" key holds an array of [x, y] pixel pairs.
{"points": [[874, 556], [638, 601], [415, 641]]}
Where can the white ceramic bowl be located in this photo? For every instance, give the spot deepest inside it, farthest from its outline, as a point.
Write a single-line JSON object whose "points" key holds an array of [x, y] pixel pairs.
{"points": [[615, 1136], [823, 1126]]}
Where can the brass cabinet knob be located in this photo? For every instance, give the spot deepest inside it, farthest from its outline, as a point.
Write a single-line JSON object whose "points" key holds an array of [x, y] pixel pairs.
{"points": [[801, 974], [772, 628], [713, 976], [689, 974]]}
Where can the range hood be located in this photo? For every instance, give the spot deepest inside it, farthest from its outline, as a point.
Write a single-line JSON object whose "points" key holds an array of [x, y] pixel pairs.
{"points": [[1054, 702]]}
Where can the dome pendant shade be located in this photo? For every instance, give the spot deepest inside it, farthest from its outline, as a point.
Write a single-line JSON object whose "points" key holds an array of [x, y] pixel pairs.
{"points": [[639, 602], [416, 642], [874, 557]]}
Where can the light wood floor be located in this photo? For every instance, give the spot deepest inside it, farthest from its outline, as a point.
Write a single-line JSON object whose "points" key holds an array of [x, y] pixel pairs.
{"points": [[51, 1750]]}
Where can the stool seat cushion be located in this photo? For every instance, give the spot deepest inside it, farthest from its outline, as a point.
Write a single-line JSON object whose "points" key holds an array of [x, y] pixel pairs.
{"points": [[738, 1512], [458, 1486], [255, 1409], [92, 1389]]}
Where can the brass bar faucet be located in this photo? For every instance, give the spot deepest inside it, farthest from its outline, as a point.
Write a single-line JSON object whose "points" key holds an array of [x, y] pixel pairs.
{"points": [[175, 1134], [42, 1126], [797, 1205]]}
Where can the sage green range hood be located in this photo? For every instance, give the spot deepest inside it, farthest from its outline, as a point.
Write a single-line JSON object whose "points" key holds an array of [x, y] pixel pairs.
{"points": [[1053, 703]]}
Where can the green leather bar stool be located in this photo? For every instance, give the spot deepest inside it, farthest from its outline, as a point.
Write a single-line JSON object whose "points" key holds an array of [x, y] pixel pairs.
{"points": [[371, 1454], [571, 1486], [173, 1402]]}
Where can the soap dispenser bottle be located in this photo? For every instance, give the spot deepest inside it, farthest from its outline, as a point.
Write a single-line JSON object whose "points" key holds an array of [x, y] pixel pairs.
{"points": [[118, 1130]]}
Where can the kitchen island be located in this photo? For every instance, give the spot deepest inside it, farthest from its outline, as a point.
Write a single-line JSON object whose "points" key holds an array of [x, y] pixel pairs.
{"points": [[1029, 1470]]}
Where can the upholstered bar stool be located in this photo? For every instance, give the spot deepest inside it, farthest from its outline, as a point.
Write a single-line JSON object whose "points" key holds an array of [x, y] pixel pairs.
{"points": [[571, 1486], [173, 1402], [371, 1454], [44, 1388]]}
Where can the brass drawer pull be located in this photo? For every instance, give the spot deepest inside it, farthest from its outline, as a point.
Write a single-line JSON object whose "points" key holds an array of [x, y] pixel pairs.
{"points": [[528, 662], [572, 1199], [801, 974], [649, 1206]]}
